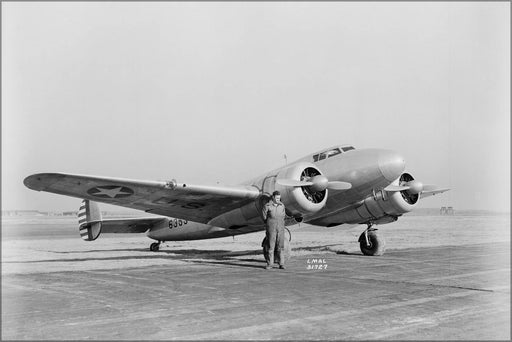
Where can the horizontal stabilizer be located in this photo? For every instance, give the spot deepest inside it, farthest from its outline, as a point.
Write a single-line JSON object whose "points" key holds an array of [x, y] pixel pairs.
{"points": [[132, 224], [91, 224]]}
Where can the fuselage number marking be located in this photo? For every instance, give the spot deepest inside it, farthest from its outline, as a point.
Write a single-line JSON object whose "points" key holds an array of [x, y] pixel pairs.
{"points": [[175, 223]]}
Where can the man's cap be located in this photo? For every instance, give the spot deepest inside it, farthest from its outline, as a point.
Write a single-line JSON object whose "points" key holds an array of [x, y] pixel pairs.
{"points": [[275, 193]]}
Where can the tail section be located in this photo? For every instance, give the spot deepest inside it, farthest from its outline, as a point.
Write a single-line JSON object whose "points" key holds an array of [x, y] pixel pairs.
{"points": [[89, 220]]}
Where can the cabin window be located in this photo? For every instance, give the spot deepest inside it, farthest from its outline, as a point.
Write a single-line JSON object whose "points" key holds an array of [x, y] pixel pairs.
{"points": [[348, 148]]}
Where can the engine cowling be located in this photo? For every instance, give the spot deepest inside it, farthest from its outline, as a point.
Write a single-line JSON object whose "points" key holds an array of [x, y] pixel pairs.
{"points": [[393, 203], [382, 207], [301, 200]]}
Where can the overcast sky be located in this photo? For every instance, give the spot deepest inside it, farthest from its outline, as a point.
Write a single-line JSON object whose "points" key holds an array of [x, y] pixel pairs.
{"points": [[218, 92]]}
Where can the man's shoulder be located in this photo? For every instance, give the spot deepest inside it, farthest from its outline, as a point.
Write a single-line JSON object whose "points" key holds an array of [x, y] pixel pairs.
{"points": [[272, 204]]}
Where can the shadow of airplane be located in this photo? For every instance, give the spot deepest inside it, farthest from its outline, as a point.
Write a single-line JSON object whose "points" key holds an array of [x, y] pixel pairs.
{"points": [[226, 262], [218, 256], [183, 255]]}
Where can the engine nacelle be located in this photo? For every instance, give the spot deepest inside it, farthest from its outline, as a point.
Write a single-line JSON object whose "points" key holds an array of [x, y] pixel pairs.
{"points": [[300, 200], [383, 206]]}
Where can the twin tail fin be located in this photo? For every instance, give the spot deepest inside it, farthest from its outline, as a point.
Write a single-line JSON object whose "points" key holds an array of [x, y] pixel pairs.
{"points": [[89, 220]]}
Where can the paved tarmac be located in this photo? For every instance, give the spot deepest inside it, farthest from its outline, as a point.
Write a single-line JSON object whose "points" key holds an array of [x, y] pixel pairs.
{"points": [[444, 292]]}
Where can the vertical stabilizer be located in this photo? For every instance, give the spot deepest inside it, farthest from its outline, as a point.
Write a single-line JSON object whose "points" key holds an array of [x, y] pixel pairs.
{"points": [[89, 220]]}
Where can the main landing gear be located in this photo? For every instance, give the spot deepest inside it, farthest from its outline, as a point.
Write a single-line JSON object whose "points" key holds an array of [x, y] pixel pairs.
{"points": [[372, 243], [155, 246]]}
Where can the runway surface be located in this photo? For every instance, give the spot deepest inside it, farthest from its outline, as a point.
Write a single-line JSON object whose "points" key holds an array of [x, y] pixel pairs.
{"points": [[64, 288]]}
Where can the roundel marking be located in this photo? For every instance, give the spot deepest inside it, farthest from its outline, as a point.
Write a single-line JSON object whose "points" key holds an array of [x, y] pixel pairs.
{"points": [[110, 191]]}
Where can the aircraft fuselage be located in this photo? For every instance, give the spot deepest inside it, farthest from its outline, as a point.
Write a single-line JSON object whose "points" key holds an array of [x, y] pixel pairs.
{"points": [[368, 170]]}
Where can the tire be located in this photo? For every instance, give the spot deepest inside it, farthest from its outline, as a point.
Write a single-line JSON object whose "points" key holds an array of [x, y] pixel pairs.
{"points": [[286, 250], [154, 247], [377, 244]]}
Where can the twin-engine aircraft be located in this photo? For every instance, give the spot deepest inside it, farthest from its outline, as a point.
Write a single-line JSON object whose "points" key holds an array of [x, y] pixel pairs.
{"points": [[338, 185]]}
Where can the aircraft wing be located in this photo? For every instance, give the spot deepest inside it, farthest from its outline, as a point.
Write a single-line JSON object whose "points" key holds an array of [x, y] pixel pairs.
{"points": [[198, 203]]}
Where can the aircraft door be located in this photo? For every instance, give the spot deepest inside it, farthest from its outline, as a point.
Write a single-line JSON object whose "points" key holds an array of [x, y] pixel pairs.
{"points": [[269, 185]]}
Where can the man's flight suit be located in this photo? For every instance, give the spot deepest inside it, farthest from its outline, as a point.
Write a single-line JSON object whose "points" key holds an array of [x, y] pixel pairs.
{"points": [[274, 215]]}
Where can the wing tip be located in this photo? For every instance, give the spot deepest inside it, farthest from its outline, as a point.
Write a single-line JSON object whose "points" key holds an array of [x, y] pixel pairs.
{"points": [[39, 181], [33, 182]]}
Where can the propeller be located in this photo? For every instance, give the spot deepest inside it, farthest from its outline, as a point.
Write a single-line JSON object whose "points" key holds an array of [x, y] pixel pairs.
{"points": [[410, 189], [317, 183]]}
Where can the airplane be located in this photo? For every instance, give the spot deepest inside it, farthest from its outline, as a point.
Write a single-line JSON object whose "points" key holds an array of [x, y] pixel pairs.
{"points": [[337, 185]]}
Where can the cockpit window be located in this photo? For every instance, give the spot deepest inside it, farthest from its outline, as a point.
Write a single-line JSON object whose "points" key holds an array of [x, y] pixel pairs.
{"points": [[326, 154], [332, 152]]}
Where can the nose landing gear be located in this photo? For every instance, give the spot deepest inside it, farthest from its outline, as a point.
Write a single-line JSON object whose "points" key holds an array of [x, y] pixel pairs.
{"points": [[372, 243]]}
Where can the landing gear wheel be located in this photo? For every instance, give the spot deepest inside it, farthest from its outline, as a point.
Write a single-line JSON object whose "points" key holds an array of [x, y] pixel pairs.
{"points": [[155, 246], [285, 252], [376, 245]]}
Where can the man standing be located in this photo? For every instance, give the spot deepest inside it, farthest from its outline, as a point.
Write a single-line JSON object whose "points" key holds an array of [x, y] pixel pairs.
{"points": [[274, 215]]}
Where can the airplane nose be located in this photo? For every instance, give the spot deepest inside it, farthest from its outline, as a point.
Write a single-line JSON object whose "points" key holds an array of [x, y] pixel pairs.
{"points": [[391, 164]]}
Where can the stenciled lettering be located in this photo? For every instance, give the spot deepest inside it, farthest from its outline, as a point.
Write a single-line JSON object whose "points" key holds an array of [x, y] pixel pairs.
{"points": [[177, 222]]}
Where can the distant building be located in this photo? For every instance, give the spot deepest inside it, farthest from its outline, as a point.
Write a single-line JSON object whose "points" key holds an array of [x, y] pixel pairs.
{"points": [[446, 211], [23, 213]]}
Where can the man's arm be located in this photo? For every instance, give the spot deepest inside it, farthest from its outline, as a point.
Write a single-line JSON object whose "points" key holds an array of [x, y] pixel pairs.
{"points": [[265, 212]]}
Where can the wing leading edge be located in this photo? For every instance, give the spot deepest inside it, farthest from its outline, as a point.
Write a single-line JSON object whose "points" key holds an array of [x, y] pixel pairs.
{"points": [[196, 203]]}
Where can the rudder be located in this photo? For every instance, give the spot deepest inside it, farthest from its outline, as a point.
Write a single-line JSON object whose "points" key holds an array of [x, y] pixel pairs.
{"points": [[89, 220]]}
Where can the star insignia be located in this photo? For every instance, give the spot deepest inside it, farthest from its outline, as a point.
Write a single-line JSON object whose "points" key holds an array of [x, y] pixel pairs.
{"points": [[110, 191]]}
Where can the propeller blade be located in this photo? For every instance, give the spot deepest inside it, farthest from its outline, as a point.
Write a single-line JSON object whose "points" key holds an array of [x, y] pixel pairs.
{"points": [[433, 190], [395, 188], [415, 186], [336, 185], [430, 187], [293, 183]]}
